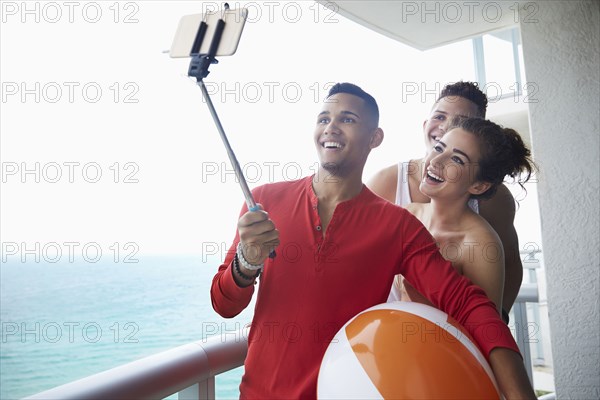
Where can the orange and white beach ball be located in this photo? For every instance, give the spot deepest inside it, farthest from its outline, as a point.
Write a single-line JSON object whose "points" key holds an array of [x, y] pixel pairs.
{"points": [[404, 350]]}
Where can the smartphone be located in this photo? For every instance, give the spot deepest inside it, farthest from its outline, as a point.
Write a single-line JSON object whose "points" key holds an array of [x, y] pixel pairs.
{"points": [[189, 25]]}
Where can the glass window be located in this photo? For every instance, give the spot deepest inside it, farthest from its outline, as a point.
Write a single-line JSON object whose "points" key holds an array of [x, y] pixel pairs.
{"points": [[498, 63]]}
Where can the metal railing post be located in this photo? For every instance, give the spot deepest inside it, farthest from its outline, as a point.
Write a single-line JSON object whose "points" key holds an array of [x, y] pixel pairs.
{"points": [[204, 390]]}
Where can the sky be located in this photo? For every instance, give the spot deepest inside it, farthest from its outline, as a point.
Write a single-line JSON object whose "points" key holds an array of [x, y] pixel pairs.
{"points": [[108, 148]]}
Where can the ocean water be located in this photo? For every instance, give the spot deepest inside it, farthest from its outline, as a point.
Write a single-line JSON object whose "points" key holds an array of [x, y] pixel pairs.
{"points": [[65, 321]]}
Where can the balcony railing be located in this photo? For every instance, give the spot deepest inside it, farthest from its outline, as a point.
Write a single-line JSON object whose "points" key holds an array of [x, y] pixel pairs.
{"points": [[189, 370]]}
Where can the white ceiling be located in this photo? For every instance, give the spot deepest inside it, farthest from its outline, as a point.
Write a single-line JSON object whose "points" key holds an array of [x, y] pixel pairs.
{"points": [[428, 24]]}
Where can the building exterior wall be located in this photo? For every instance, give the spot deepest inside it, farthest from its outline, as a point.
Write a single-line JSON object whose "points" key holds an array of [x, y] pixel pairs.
{"points": [[561, 56]]}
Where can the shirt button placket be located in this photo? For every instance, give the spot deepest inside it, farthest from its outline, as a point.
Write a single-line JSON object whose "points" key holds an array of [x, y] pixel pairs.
{"points": [[318, 266]]}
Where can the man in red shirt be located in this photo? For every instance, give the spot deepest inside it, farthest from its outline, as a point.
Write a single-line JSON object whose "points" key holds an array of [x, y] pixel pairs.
{"points": [[338, 249]]}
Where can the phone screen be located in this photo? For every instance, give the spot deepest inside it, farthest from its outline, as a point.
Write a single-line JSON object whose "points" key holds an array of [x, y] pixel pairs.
{"points": [[189, 25]]}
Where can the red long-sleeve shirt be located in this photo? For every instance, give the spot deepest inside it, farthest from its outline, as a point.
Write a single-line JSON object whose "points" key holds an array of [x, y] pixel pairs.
{"points": [[315, 284]]}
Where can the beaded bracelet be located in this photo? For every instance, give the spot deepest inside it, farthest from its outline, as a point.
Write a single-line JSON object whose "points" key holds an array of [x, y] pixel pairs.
{"points": [[242, 259], [236, 266]]}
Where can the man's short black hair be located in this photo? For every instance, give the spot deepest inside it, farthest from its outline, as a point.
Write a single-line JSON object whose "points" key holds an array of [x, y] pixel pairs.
{"points": [[351, 88], [469, 91]]}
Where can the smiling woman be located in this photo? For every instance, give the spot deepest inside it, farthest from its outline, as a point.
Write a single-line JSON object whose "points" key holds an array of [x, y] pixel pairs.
{"points": [[470, 161]]}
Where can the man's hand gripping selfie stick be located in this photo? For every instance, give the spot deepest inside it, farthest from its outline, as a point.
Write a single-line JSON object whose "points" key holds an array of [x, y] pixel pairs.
{"points": [[199, 70]]}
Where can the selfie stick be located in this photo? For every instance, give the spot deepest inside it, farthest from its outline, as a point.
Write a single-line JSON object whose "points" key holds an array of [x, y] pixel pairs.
{"points": [[199, 70]]}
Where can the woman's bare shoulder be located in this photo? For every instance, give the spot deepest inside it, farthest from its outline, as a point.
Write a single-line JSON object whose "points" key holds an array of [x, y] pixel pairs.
{"points": [[385, 182]]}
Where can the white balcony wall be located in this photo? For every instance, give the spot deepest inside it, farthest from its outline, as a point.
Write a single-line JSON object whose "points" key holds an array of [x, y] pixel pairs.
{"points": [[560, 52]]}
